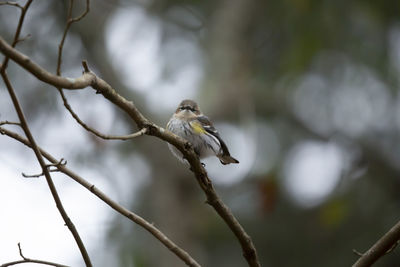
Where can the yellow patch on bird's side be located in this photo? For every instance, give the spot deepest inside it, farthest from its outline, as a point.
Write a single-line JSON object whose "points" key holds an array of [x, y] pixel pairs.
{"points": [[197, 127]]}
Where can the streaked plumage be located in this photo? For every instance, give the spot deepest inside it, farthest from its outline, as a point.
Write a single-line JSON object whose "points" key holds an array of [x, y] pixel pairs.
{"points": [[189, 123]]}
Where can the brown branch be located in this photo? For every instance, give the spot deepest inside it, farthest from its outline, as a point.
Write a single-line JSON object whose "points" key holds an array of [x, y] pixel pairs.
{"points": [[25, 128], [24, 38], [358, 253], [38, 175], [79, 83], [9, 123], [90, 79], [8, 3], [53, 190], [24, 9], [28, 260], [94, 131], [384, 245], [183, 255], [83, 14], [70, 21], [56, 164]]}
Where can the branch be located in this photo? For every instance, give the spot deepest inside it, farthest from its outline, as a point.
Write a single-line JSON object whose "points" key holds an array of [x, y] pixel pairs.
{"points": [[94, 131], [25, 128], [183, 255], [9, 123], [24, 38], [83, 14], [8, 3], [53, 190], [90, 79], [70, 21], [79, 83], [28, 260], [38, 175], [384, 245], [57, 164], [24, 9]]}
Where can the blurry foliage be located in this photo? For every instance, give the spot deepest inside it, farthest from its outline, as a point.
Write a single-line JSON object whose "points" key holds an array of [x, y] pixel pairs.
{"points": [[256, 55]]}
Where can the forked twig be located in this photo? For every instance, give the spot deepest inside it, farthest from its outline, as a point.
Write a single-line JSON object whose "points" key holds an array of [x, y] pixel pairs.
{"points": [[70, 21], [8, 3], [29, 260]]}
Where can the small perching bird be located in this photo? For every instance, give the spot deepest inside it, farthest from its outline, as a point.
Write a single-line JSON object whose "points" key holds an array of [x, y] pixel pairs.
{"points": [[189, 123]]}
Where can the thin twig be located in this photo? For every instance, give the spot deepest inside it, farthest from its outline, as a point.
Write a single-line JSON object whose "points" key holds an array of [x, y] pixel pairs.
{"points": [[393, 247], [70, 21], [24, 38], [61, 162], [358, 253], [8, 3], [76, 19], [20, 251], [182, 254], [90, 79], [24, 9], [57, 164], [28, 260], [9, 123], [94, 131], [37, 175]]}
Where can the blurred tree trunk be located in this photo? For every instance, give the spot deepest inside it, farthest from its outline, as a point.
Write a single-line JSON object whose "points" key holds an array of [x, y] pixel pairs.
{"points": [[230, 57]]}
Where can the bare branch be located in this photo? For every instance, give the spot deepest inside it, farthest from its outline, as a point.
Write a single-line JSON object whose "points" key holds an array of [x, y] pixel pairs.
{"points": [[383, 246], [37, 175], [83, 14], [8, 3], [90, 79], [79, 83], [28, 260], [20, 251], [358, 253], [182, 254], [46, 172], [24, 9], [25, 128], [9, 123], [32, 175], [70, 20], [24, 38], [61, 162], [94, 131]]}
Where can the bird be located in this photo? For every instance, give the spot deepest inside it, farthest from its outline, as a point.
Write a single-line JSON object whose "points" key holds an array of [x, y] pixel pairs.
{"points": [[192, 125]]}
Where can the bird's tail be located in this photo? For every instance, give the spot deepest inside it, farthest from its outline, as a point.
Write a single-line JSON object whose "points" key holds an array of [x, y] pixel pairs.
{"points": [[227, 159]]}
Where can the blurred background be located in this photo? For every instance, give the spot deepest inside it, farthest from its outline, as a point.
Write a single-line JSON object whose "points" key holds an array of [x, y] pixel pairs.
{"points": [[305, 94]]}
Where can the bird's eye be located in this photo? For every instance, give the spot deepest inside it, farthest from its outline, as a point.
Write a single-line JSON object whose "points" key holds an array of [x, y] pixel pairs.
{"points": [[187, 108]]}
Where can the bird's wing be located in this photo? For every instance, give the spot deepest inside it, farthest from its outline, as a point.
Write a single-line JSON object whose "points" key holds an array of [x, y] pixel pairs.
{"points": [[210, 129], [207, 126]]}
